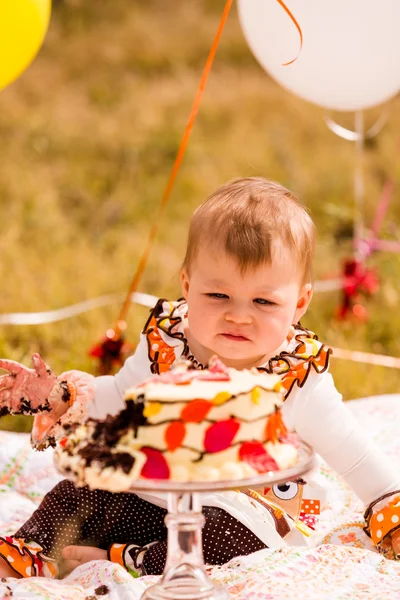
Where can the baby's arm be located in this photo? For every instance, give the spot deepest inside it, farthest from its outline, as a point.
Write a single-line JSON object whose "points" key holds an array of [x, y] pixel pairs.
{"points": [[320, 417], [109, 390], [59, 403]]}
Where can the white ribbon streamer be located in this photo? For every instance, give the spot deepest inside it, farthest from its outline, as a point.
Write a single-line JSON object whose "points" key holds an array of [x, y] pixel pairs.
{"points": [[52, 316]]}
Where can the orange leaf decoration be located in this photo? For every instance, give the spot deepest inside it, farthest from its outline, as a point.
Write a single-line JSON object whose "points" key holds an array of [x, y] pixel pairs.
{"points": [[195, 411], [275, 427], [174, 435]]}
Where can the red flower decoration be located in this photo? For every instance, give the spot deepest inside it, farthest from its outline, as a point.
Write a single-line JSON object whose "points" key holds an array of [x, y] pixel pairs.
{"points": [[359, 282], [219, 436], [174, 435], [254, 454], [195, 411], [111, 352], [155, 467]]}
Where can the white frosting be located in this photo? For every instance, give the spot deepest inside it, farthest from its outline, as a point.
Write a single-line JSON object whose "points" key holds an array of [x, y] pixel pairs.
{"points": [[285, 455], [239, 382]]}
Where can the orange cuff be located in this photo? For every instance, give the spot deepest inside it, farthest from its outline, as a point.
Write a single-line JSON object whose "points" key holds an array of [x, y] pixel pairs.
{"points": [[116, 554], [383, 517], [26, 559]]}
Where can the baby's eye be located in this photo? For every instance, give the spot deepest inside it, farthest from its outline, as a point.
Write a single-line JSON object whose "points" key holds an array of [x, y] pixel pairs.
{"points": [[219, 296], [264, 302]]}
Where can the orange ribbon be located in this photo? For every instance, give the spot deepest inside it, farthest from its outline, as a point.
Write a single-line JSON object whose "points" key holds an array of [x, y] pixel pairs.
{"points": [[293, 18]]}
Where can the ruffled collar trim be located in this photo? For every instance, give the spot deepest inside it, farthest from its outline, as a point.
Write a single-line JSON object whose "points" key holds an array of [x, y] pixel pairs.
{"points": [[304, 352]]}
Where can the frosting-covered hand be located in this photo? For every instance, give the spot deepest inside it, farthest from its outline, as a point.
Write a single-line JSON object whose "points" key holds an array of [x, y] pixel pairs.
{"points": [[58, 403], [74, 391], [26, 391]]}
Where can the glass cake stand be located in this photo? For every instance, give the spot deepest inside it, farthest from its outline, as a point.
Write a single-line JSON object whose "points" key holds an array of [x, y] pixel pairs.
{"points": [[184, 576]]}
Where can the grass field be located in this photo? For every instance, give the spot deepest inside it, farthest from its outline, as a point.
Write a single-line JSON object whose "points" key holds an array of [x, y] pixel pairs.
{"points": [[88, 137]]}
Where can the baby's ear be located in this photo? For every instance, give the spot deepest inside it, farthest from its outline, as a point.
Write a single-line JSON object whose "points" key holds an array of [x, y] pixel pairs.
{"points": [[303, 301], [184, 282]]}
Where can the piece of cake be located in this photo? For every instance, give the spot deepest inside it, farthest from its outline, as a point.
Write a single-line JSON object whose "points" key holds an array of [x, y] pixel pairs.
{"points": [[184, 425]]}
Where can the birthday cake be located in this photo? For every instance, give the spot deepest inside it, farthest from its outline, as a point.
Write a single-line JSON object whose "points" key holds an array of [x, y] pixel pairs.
{"points": [[184, 425]]}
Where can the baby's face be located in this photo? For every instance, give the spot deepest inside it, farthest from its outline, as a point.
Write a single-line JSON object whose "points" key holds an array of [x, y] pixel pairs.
{"points": [[243, 318]]}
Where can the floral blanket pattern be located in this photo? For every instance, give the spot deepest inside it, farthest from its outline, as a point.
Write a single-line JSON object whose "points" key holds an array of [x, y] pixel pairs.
{"points": [[341, 565]]}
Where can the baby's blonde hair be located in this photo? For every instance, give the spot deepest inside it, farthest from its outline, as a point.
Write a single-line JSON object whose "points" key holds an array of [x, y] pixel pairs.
{"points": [[247, 216]]}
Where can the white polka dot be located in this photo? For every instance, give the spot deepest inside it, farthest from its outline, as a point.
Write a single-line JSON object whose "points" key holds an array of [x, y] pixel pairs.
{"points": [[307, 506], [155, 347], [379, 533], [311, 501], [380, 517], [395, 519], [10, 559], [28, 571]]}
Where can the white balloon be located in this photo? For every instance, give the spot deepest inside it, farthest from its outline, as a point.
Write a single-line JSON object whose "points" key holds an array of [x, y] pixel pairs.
{"points": [[350, 58]]}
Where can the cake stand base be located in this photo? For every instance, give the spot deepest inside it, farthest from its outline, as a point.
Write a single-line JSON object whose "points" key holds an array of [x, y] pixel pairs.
{"points": [[186, 583], [184, 576]]}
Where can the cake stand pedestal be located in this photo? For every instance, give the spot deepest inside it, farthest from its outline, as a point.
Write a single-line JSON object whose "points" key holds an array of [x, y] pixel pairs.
{"points": [[184, 576]]}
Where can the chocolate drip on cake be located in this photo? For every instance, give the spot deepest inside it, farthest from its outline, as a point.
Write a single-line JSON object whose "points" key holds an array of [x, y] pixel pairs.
{"points": [[122, 460], [109, 431]]}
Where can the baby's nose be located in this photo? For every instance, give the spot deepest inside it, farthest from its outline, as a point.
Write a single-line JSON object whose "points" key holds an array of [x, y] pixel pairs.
{"points": [[238, 317]]}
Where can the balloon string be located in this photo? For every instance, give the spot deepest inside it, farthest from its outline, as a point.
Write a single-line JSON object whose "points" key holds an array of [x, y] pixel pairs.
{"points": [[181, 151], [383, 206], [359, 188], [293, 18]]}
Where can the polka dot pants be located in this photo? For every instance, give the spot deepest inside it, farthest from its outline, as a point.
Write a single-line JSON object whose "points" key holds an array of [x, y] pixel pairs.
{"points": [[80, 516]]}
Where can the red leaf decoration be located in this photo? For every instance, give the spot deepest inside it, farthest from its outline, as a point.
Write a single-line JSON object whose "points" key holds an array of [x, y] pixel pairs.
{"points": [[257, 457], [174, 435], [219, 436], [195, 411], [156, 467]]}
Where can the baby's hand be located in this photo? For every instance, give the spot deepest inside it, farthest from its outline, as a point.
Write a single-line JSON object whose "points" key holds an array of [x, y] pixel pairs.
{"points": [[25, 391], [396, 543], [74, 556]]}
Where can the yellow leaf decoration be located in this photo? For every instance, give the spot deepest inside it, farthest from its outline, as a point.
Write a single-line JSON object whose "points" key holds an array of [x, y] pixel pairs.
{"points": [[151, 409], [221, 398], [255, 395]]}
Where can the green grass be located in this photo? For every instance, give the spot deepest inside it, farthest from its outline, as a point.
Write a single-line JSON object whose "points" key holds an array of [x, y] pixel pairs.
{"points": [[88, 137]]}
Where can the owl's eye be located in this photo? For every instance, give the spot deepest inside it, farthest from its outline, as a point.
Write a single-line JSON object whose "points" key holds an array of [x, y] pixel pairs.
{"points": [[285, 491]]}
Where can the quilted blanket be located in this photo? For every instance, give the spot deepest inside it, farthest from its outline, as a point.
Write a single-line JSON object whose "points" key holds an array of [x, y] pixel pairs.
{"points": [[341, 565]]}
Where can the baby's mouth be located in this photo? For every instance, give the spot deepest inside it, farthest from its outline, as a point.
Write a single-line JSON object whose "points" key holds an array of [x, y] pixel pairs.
{"points": [[235, 337]]}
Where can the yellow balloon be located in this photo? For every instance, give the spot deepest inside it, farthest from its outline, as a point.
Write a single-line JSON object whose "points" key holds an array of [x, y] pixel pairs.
{"points": [[23, 25]]}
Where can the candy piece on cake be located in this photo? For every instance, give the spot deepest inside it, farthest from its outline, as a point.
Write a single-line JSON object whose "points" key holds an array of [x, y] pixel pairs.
{"points": [[184, 425]]}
